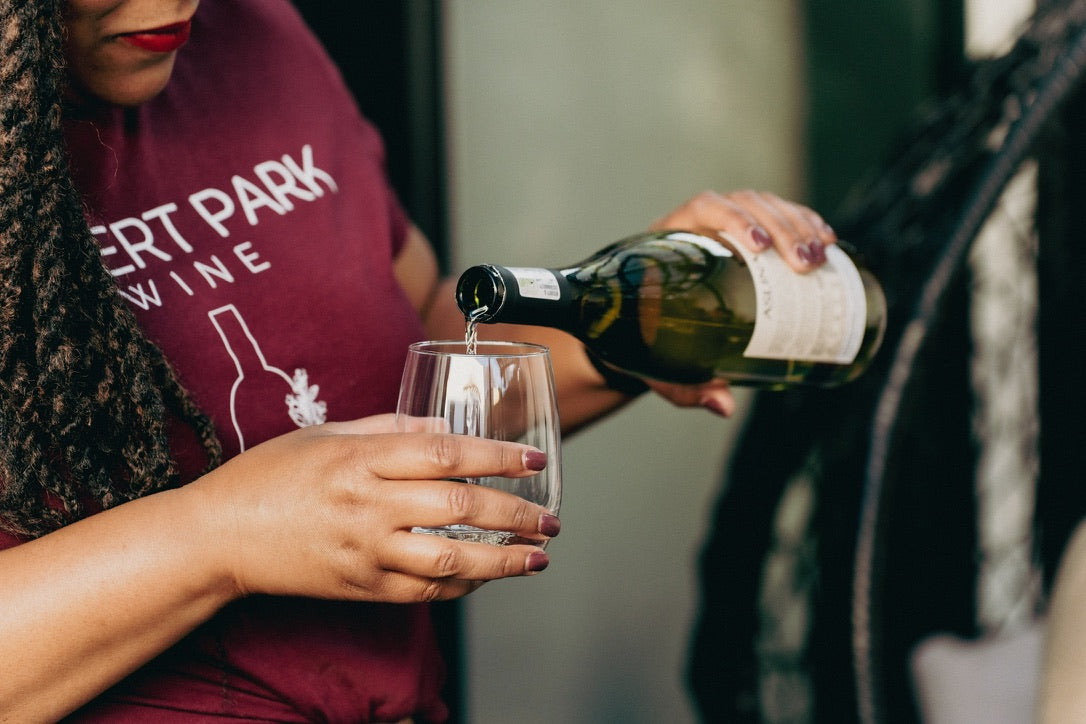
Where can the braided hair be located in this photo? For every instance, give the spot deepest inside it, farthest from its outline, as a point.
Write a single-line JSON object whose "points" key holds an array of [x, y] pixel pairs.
{"points": [[84, 395]]}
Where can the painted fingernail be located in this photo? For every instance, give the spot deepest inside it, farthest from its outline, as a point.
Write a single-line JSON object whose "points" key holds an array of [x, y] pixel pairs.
{"points": [[811, 253], [761, 237], [549, 525], [535, 460], [537, 561]]}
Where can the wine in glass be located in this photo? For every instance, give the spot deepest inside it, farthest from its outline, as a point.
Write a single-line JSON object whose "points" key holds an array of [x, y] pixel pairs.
{"points": [[499, 390]]}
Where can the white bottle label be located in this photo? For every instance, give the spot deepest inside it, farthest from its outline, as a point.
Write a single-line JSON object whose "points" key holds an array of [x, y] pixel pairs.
{"points": [[818, 317], [536, 283]]}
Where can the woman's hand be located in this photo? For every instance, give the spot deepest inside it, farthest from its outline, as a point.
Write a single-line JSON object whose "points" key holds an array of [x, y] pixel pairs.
{"points": [[327, 511], [759, 221]]}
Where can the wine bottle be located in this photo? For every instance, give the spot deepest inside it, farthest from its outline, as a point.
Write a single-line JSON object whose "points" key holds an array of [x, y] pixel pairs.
{"points": [[682, 306]]}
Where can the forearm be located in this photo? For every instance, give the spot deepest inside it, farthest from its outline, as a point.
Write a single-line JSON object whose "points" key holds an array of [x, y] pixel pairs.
{"points": [[86, 605], [582, 395]]}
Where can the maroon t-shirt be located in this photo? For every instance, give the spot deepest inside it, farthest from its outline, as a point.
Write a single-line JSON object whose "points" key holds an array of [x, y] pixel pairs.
{"points": [[246, 217]]}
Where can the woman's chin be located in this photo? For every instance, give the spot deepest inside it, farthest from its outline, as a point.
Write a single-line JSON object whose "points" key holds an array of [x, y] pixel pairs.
{"points": [[126, 89]]}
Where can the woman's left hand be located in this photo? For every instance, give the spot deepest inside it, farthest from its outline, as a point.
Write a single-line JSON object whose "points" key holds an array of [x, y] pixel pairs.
{"points": [[759, 221]]}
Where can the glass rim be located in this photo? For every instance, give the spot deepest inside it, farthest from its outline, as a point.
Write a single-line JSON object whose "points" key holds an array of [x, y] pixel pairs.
{"points": [[484, 348]]}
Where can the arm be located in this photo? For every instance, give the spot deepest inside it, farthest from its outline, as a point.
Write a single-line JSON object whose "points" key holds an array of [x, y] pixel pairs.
{"points": [[757, 220], [84, 606], [320, 512]]}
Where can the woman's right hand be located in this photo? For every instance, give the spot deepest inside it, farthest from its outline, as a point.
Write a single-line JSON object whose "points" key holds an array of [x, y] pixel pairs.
{"points": [[327, 511]]}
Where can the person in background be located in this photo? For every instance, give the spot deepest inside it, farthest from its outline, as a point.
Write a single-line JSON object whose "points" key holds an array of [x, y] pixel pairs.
{"points": [[190, 201]]}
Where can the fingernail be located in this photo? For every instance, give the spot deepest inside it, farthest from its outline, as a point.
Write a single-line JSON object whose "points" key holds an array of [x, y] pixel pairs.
{"points": [[538, 561], [549, 525], [761, 237], [535, 460], [811, 253]]}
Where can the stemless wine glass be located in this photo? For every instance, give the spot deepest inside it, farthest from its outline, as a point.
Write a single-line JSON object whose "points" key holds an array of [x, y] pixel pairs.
{"points": [[499, 390]]}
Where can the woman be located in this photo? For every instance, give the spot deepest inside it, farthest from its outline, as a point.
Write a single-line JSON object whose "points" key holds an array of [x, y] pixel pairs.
{"points": [[188, 199]]}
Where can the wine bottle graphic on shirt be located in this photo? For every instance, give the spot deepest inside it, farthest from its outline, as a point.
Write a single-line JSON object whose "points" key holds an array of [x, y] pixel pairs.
{"points": [[262, 395]]}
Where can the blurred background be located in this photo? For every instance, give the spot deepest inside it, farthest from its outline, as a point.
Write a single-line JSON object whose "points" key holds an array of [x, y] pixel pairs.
{"points": [[531, 133]]}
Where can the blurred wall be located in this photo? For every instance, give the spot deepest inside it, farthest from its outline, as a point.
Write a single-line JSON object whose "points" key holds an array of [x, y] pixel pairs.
{"points": [[573, 123]]}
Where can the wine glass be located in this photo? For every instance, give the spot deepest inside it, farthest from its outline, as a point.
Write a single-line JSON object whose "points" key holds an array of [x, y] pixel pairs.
{"points": [[498, 390]]}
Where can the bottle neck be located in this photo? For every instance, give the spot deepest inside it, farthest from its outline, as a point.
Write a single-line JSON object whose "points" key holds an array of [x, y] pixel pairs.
{"points": [[239, 342], [515, 295]]}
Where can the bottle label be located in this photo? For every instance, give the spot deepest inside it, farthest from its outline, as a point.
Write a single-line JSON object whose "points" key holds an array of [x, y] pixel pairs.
{"points": [[818, 317], [535, 283]]}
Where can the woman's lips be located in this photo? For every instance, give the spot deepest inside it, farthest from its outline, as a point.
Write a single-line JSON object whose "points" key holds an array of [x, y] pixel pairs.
{"points": [[166, 39]]}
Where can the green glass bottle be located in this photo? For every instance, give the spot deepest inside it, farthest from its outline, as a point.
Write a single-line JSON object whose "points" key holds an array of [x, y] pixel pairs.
{"points": [[686, 307]]}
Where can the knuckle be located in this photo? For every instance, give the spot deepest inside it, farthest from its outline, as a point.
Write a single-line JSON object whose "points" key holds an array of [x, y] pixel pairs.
{"points": [[509, 566], [462, 502], [511, 459], [432, 590], [704, 199], [337, 454], [445, 452], [523, 517], [449, 562]]}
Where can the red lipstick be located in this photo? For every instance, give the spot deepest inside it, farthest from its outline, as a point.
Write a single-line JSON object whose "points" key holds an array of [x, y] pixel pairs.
{"points": [[166, 39]]}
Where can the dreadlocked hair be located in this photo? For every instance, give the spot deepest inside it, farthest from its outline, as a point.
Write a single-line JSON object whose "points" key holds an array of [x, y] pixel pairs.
{"points": [[84, 395]]}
